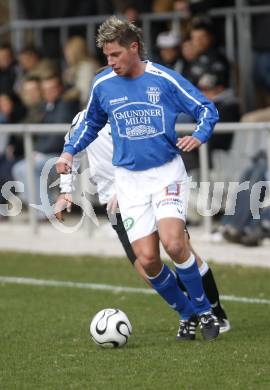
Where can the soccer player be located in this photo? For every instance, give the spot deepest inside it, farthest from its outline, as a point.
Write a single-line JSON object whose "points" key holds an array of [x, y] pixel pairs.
{"points": [[142, 100], [99, 154]]}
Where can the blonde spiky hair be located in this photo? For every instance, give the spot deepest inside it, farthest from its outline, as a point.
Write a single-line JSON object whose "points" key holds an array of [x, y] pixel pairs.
{"points": [[122, 31]]}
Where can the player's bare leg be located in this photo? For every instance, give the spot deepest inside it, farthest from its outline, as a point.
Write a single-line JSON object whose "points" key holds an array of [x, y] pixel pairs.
{"points": [[209, 285], [141, 272], [208, 279], [173, 237], [147, 252], [163, 280]]}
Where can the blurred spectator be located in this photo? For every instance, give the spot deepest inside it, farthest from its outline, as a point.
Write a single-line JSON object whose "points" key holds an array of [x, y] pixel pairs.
{"points": [[188, 53], [80, 70], [7, 69], [241, 227], [158, 26], [257, 230], [131, 12], [11, 111], [261, 115], [199, 8], [11, 108], [260, 30], [32, 99], [47, 146], [57, 110], [254, 141], [169, 50], [195, 8], [250, 164], [216, 88], [183, 6], [4, 12], [162, 5], [202, 39], [30, 63]]}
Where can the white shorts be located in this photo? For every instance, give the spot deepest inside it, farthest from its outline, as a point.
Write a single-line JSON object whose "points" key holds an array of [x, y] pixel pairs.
{"points": [[140, 208]]}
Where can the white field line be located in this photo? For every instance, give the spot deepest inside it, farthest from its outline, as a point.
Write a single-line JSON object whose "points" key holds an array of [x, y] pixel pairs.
{"points": [[108, 287]]}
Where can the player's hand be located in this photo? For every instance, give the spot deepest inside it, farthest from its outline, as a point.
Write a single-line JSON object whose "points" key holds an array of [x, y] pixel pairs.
{"points": [[188, 143], [64, 163], [63, 202], [112, 205]]}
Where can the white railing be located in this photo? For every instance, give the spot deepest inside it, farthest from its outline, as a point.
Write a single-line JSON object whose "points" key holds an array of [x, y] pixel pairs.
{"points": [[28, 130]]}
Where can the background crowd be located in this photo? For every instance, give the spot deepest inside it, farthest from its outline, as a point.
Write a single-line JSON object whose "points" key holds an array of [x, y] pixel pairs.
{"points": [[51, 84]]}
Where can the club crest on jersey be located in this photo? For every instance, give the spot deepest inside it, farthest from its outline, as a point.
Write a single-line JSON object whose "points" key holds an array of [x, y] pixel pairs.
{"points": [[153, 94]]}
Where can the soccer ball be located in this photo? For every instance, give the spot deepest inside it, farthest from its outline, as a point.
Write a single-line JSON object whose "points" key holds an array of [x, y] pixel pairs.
{"points": [[110, 328]]}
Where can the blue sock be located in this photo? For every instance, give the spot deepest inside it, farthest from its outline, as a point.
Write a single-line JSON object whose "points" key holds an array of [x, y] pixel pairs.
{"points": [[165, 284], [192, 280]]}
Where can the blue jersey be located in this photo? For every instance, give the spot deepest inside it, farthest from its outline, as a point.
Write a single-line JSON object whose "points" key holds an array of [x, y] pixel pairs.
{"points": [[142, 114]]}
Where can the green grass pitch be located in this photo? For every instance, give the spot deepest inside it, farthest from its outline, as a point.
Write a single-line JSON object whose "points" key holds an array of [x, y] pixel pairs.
{"points": [[45, 342]]}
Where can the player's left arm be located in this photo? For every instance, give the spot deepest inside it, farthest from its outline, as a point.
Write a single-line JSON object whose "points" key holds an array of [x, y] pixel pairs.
{"points": [[192, 102], [188, 143]]}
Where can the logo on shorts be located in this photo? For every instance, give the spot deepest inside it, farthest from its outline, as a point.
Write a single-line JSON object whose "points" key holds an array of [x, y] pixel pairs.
{"points": [[173, 189], [128, 223], [180, 211]]}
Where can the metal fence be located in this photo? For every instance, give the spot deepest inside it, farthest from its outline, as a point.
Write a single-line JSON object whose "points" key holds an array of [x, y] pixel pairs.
{"points": [[29, 130], [237, 31]]}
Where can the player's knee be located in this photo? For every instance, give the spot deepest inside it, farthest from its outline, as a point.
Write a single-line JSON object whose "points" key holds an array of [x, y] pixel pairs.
{"points": [[175, 248], [150, 263], [147, 260]]}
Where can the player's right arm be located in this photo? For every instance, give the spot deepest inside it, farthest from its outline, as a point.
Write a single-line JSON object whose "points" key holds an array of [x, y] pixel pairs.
{"points": [[64, 200], [95, 120]]}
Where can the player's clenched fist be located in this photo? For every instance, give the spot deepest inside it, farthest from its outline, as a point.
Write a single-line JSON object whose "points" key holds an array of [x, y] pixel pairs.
{"points": [[64, 163]]}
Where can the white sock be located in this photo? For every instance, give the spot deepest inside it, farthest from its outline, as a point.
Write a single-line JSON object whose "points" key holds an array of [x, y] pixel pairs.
{"points": [[203, 268], [188, 263]]}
